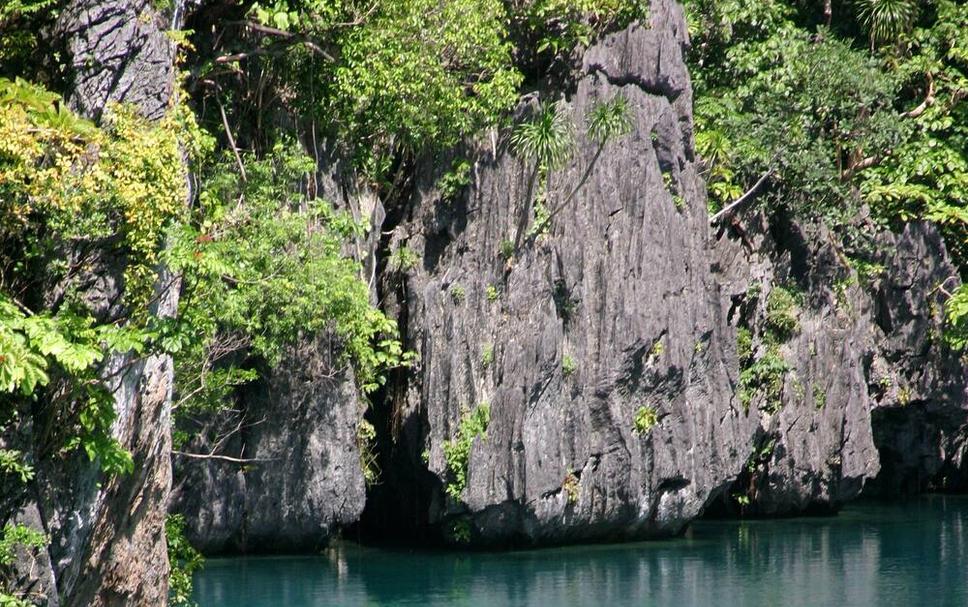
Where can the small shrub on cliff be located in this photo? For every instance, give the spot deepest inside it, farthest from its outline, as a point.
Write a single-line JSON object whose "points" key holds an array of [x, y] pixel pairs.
{"points": [[365, 443], [568, 365], [764, 377], [12, 539], [781, 312], [570, 485], [645, 419], [456, 179], [487, 355], [609, 120], [457, 451]]}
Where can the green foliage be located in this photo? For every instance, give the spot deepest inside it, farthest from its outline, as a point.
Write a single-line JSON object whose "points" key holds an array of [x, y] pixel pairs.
{"points": [[398, 75], [609, 120], [456, 179], [782, 309], [13, 538], [570, 485], [546, 139], [487, 356], [62, 180], [12, 465], [645, 419], [184, 561], [460, 531], [458, 294], [744, 345], [457, 451], [832, 120], [956, 319], [568, 365], [658, 348], [559, 26], [366, 444], [261, 264], [403, 259], [506, 250], [819, 398], [886, 20], [764, 377], [31, 344], [18, 536], [492, 293]]}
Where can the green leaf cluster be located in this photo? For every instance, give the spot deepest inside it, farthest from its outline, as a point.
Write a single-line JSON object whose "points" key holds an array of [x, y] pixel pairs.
{"points": [[261, 264], [457, 451], [184, 561]]}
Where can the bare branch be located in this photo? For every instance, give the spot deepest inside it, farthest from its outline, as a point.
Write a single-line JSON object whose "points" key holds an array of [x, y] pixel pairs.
{"points": [[225, 458], [928, 100], [749, 195]]}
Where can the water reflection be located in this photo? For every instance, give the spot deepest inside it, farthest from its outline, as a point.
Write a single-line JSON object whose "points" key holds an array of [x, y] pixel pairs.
{"points": [[914, 553]]}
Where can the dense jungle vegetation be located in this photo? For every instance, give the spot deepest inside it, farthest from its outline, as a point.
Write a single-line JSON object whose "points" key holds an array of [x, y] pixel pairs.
{"points": [[854, 113]]}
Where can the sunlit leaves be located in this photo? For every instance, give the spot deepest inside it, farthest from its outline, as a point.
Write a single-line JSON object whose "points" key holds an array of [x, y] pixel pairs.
{"points": [[609, 120], [546, 139], [886, 20]]}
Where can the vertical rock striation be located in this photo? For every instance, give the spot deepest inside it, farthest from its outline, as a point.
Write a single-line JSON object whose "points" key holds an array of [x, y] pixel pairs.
{"points": [[613, 311], [286, 472]]}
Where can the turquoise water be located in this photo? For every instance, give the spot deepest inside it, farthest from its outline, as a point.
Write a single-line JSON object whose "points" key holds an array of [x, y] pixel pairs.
{"points": [[913, 553]]}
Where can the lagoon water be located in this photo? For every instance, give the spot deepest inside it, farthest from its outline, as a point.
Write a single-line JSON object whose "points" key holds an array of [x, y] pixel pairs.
{"points": [[911, 553]]}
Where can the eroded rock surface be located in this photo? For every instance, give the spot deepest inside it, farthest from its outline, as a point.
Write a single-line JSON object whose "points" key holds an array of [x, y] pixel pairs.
{"points": [[295, 475], [612, 311]]}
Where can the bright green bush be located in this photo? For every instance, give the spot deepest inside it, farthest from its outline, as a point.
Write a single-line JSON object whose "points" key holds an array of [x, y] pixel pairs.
{"points": [[457, 451]]}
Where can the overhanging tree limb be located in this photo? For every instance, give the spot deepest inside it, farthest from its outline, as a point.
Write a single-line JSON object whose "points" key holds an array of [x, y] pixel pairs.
{"points": [[749, 195]]}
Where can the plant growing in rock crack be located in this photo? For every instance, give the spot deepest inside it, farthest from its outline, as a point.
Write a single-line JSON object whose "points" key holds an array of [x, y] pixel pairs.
{"points": [[568, 365], [487, 355], [457, 451], [606, 121], [547, 141], [402, 259], [506, 250], [456, 179], [819, 398], [365, 444], [492, 293], [646, 417], [458, 294], [764, 376], [570, 486], [781, 312], [460, 531]]}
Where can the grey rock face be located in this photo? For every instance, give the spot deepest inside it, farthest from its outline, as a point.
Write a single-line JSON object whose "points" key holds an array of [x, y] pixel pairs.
{"points": [[919, 387], [120, 53], [814, 444], [620, 286], [301, 479], [626, 291]]}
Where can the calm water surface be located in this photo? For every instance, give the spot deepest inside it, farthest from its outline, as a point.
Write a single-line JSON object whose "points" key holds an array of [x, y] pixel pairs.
{"points": [[913, 553]]}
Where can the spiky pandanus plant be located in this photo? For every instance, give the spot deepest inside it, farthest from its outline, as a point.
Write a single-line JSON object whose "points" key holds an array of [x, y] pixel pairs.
{"points": [[886, 20], [546, 140]]}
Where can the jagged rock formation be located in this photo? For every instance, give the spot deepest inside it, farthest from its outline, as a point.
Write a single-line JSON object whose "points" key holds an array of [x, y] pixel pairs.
{"points": [[629, 303], [620, 286], [919, 387], [865, 351], [297, 429]]}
